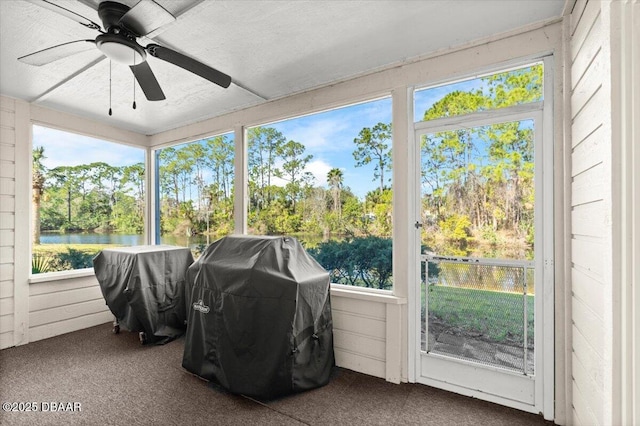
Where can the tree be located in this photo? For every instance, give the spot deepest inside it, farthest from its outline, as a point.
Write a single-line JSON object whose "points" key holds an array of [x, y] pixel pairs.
{"points": [[293, 169], [264, 144], [334, 179], [133, 179], [221, 153], [371, 146], [64, 178], [169, 173], [196, 154], [37, 186]]}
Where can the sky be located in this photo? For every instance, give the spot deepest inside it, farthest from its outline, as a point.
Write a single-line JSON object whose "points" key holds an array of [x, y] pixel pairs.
{"points": [[328, 136], [70, 149]]}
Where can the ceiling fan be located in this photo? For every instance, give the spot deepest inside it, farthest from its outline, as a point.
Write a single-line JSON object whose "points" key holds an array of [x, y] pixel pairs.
{"points": [[121, 27]]}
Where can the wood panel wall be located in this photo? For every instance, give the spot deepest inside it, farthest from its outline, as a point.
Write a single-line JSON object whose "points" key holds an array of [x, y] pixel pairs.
{"points": [[7, 219], [590, 198]]}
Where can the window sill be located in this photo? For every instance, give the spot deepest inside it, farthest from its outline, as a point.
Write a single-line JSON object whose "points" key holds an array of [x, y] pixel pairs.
{"points": [[380, 296], [337, 290], [61, 275]]}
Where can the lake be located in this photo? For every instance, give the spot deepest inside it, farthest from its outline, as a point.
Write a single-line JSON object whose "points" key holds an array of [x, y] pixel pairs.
{"points": [[118, 239]]}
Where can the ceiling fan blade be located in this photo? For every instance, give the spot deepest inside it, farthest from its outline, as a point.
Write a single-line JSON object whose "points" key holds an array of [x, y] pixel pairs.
{"points": [[145, 17], [189, 64], [66, 12], [51, 54], [147, 81]]}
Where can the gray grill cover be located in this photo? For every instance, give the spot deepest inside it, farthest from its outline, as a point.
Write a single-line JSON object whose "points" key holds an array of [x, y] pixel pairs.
{"points": [[259, 317], [144, 288]]}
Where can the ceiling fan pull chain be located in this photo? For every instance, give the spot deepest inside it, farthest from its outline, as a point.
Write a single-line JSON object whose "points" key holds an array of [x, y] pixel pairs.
{"points": [[110, 112], [134, 79]]}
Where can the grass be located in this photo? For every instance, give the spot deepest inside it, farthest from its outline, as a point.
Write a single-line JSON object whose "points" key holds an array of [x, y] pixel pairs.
{"points": [[56, 249], [64, 257], [490, 315]]}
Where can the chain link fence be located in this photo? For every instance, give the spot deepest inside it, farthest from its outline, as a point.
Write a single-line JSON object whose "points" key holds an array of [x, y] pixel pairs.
{"points": [[479, 310]]}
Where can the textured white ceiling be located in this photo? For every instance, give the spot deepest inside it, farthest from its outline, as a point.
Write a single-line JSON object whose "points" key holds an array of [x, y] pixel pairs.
{"points": [[271, 49]]}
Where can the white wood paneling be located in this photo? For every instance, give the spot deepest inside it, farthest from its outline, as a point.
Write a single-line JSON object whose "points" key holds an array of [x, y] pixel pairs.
{"points": [[359, 344], [589, 152], [587, 255], [6, 306], [359, 333], [7, 186], [6, 289], [589, 358], [7, 152], [588, 119], [64, 298], [589, 290], [66, 326], [588, 220], [7, 221], [590, 214], [7, 203], [374, 328], [7, 118], [583, 414], [359, 307], [6, 339], [7, 135], [584, 380], [358, 362], [6, 323], [588, 186], [62, 306], [66, 312], [588, 85], [588, 50], [61, 285]]}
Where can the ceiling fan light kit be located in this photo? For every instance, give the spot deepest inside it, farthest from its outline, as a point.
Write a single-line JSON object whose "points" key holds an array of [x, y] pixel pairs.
{"points": [[118, 42], [121, 49]]}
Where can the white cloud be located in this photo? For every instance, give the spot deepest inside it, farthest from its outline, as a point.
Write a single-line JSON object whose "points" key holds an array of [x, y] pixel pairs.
{"points": [[319, 170]]}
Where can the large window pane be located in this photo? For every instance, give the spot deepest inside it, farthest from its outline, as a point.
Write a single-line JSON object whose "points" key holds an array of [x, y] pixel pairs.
{"points": [[508, 88], [326, 179], [196, 192], [88, 194]]}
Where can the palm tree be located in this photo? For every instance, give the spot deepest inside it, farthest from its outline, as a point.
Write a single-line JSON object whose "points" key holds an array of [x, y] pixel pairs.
{"points": [[334, 178], [37, 185]]}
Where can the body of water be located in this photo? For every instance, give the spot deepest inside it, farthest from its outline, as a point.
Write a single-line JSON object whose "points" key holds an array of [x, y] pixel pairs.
{"points": [[118, 239]]}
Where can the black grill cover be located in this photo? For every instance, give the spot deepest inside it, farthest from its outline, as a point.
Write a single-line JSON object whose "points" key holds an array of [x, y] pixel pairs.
{"points": [[259, 317], [144, 288]]}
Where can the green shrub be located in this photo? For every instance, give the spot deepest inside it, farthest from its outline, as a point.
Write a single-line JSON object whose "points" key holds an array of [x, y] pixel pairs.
{"points": [[362, 261], [40, 264], [76, 259]]}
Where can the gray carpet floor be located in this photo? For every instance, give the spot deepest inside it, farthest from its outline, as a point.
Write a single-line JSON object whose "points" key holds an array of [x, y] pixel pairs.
{"points": [[114, 380]]}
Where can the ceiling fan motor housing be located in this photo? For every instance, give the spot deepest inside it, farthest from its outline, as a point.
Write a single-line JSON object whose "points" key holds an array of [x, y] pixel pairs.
{"points": [[110, 14], [119, 43]]}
